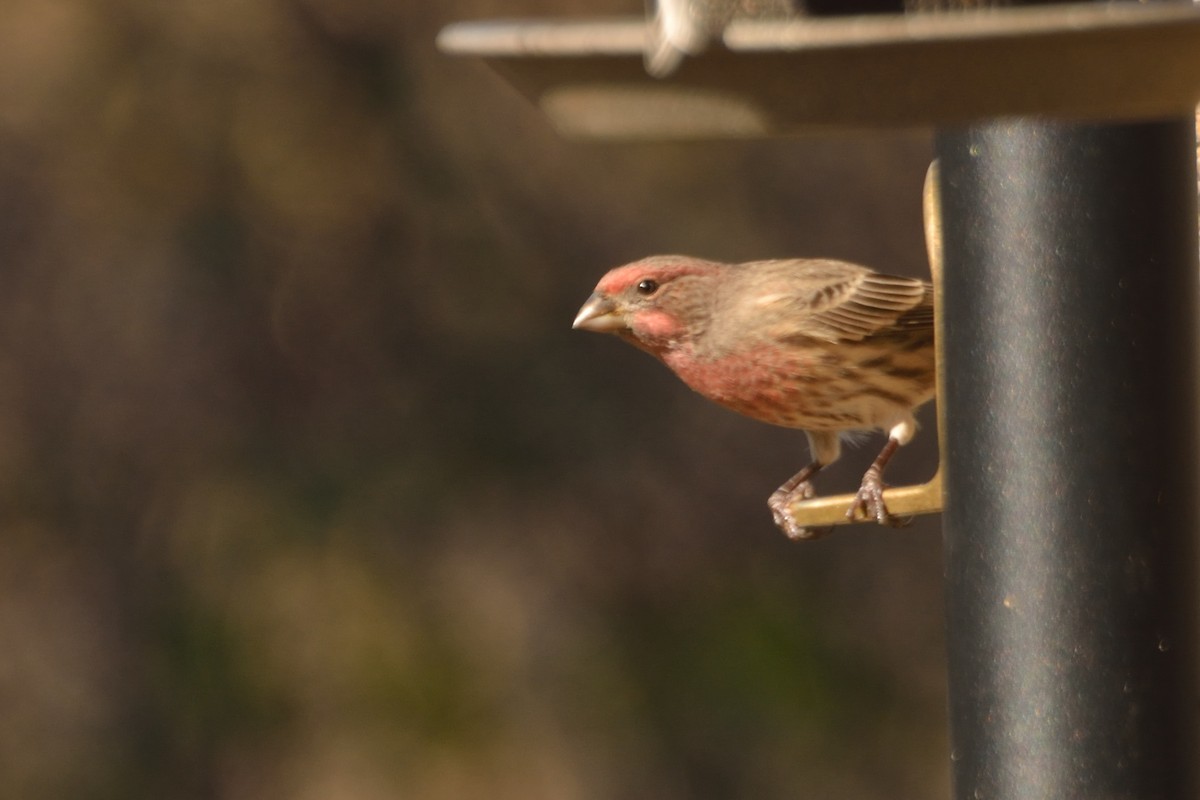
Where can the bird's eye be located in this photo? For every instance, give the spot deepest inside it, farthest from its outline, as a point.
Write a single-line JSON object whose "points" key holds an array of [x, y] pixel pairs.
{"points": [[647, 286]]}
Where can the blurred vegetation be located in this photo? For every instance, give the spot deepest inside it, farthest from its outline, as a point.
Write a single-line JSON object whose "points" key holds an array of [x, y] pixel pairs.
{"points": [[308, 489]]}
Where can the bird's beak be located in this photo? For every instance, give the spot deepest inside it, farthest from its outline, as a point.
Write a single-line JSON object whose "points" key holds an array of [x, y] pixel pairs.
{"points": [[599, 314]]}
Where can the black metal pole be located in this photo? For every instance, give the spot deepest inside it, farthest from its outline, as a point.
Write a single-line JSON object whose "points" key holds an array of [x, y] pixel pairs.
{"points": [[1071, 296]]}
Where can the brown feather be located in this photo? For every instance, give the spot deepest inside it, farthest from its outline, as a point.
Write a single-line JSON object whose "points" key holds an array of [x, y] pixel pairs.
{"points": [[799, 300]]}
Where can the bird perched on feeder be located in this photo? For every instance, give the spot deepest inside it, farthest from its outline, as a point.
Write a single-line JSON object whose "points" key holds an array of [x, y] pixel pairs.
{"points": [[825, 346]]}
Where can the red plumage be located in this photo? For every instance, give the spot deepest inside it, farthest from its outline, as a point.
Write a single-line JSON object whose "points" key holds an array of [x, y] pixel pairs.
{"points": [[816, 344]]}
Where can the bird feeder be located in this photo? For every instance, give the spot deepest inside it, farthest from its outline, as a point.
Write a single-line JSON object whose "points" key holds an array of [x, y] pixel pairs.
{"points": [[1067, 314]]}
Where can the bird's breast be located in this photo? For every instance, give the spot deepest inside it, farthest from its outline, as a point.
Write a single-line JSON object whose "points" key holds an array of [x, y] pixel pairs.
{"points": [[812, 388]]}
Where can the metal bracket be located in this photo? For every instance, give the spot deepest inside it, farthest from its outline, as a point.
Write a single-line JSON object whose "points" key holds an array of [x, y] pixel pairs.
{"points": [[1072, 61], [925, 498]]}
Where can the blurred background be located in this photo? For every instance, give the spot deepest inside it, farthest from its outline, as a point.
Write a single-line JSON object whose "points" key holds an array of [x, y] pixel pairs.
{"points": [[307, 488]]}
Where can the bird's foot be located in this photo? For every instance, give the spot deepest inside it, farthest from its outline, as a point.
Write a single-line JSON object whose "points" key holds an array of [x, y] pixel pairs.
{"points": [[780, 504], [868, 503]]}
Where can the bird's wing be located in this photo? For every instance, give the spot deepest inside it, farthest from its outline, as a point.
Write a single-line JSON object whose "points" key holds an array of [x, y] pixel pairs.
{"points": [[837, 302], [870, 305]]}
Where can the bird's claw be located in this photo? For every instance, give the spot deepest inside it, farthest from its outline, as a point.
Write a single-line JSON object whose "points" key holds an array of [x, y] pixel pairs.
{"points": [[780, 504], [869, 504]]}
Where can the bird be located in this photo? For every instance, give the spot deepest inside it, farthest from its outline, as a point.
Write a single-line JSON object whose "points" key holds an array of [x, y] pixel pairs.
{"points": [[828, 347]]}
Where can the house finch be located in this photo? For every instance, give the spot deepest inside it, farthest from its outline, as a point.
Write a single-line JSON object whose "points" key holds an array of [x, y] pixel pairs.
{"points": [[825, 346]]}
